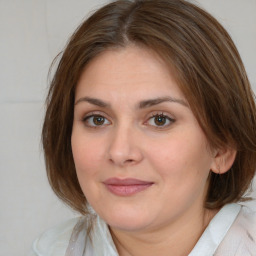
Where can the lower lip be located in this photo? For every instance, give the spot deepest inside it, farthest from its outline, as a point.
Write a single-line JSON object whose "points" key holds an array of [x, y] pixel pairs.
{"points": [[127, 190]]}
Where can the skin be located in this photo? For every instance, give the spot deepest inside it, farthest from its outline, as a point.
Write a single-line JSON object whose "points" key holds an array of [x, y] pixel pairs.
{"points": [[168, 217]]}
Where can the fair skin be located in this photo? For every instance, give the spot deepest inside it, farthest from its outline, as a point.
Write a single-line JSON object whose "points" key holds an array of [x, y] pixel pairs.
{"points": [[132, 122]]}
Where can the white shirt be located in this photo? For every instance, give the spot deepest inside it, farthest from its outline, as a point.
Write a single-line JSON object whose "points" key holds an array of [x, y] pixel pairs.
{"points": [[232, 232]]}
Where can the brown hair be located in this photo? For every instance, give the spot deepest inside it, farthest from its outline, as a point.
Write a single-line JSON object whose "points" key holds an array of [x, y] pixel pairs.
{"points": [[209, 72]]}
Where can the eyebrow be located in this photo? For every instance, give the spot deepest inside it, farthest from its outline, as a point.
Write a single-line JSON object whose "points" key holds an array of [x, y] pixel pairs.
{"points": [[153, 102], [141, 105], [93, 101]]}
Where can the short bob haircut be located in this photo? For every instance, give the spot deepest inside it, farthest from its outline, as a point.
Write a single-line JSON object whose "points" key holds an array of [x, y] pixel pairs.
{"points": [[209, 72]]}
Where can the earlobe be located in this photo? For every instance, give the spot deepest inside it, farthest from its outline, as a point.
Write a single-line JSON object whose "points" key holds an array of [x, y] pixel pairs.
{"points": [[223, 160]]}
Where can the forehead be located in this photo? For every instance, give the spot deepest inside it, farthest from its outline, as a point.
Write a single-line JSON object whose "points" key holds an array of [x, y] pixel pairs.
{"points": [[130, 71]]}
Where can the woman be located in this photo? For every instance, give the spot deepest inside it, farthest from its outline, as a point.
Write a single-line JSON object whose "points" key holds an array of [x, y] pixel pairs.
{"points": [[150, 134]]}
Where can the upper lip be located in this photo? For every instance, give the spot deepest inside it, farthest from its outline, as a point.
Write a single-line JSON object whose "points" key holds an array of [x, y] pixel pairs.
{"points": [[127, 182]]}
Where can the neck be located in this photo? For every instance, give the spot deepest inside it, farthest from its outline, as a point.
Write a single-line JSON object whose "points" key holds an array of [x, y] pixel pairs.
{"points": [[177, 238]]}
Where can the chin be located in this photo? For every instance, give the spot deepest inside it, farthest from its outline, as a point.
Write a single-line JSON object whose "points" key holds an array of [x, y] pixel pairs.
{"points": [[128, 225], [127, 220]]}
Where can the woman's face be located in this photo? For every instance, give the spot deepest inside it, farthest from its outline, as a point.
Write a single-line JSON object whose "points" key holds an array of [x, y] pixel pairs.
{"points": [[141, 158]]}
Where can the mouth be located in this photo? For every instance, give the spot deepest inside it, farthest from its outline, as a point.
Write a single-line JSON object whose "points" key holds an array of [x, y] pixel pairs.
{"points": [[126, 187]]}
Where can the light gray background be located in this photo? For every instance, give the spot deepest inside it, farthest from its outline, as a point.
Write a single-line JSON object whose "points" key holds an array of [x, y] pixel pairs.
{"points": [[32, 33]]}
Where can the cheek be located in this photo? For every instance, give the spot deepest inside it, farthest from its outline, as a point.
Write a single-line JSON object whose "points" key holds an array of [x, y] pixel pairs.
{"points": [[181, 157], [87, 154], [183, 168]]}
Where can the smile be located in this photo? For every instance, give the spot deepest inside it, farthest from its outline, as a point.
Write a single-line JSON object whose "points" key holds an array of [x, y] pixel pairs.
{"points": [[126, 187]]}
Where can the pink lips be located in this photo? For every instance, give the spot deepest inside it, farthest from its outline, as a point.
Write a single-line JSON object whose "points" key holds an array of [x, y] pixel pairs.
{"points": [[126, 187]]}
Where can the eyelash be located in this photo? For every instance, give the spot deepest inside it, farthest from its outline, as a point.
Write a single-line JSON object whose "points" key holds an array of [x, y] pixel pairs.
{"points": [[86, 120], [161, 115]]}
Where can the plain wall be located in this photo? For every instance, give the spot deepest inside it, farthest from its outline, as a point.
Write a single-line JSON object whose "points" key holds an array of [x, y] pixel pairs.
{"points": [[32, 33]]}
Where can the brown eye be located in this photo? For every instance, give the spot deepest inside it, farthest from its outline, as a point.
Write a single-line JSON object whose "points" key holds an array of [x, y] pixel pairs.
{"points": [[95, 121], [98, 120], [160, 120]]}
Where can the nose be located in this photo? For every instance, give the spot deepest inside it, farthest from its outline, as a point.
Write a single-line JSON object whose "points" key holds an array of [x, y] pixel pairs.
{"points": [[124, 148]]}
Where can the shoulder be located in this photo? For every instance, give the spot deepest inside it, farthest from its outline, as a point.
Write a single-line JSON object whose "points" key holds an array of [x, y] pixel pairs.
{"points": [[54, 242], [241, 237]]}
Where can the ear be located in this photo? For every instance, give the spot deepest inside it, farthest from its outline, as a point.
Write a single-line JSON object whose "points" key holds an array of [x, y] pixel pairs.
{"points": [[223, 160]]}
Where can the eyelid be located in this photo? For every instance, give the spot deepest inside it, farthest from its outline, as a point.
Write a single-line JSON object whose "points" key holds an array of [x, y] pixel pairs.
{"points": [[151, 115], [93, 114], [160, 113], [163, 113]]}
